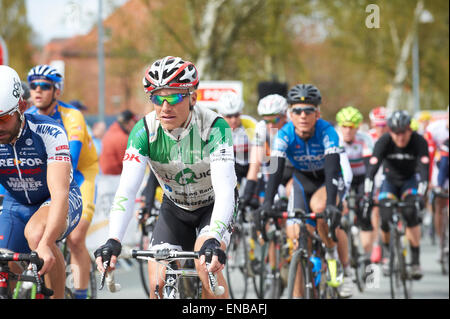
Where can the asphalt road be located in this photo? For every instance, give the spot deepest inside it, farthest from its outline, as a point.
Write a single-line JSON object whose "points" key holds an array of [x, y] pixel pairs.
{"points": [[433, 285]]}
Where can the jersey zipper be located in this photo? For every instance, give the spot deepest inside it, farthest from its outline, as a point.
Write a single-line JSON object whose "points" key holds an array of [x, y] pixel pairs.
{"points": [[16, 161]]}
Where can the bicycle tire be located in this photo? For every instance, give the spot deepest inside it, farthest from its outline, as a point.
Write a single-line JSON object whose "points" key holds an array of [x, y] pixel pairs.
{"points": [[92, 290], [444, 246], [397, 268], [143, 265], [356, 262], [307, 283], [237, 263], [259, 277]]}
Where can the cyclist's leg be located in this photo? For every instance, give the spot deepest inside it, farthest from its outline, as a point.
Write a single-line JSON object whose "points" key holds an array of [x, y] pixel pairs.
{"points": [[34, 231], [80, 259], [12, 227]]}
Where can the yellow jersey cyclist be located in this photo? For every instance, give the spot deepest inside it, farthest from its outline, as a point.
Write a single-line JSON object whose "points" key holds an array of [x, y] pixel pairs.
{"points": [[230, 106], [312, 145], [46, 84], [42, 201], [358, 147], [190, 151]]}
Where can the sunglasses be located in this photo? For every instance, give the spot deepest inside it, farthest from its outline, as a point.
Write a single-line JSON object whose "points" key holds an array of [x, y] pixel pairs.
{"points": [[275, 120], [232, 115], [172, 99], [308, 110], [43, 85], [7, 117]]}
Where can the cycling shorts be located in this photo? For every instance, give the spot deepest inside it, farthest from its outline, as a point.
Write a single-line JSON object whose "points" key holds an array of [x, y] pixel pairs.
{"points": [[178, 228], [398, 190], [15, 216], [88, 190]]}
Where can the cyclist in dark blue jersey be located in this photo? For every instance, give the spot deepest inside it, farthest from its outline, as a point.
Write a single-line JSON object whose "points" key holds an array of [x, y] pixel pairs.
{"points": [[42, 202], [312, 145]]}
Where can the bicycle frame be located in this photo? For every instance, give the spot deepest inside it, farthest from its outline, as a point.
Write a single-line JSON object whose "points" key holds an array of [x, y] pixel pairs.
{"points": [[38, 290]]}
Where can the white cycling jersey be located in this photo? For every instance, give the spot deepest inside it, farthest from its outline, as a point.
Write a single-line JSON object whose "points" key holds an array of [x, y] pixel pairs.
{"points": [[191, 164], [356, 151]]}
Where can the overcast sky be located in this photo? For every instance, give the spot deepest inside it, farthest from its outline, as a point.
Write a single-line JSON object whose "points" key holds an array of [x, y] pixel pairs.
{"points": [[64, 18]]}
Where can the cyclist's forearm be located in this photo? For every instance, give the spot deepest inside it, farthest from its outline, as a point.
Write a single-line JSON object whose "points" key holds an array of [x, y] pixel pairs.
{"points": [[332, 176], [274, 179], [58, 180], [123, 204], [223, 179]]}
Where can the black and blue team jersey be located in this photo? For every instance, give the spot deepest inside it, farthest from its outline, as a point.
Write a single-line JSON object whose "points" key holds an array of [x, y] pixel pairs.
{"points": [[23, 164], [306, 155]]}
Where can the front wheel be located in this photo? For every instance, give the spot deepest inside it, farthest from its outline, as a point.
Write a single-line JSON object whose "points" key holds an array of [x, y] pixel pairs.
{"points": [[237, 266]]}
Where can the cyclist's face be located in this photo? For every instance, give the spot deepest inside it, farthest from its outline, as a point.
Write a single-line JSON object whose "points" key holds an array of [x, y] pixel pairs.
{"points": [[174, 116], [9, 127], [233, 120], [401, 139], [43, 95], [304, 123], [274, 121], [348, 133]]}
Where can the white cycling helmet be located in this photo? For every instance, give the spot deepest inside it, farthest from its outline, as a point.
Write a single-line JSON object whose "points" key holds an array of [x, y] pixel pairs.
{"points": [[10, 90], [230, 103], [272, 104]]}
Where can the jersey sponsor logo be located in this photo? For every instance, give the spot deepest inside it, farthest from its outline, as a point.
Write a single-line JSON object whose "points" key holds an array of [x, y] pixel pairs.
{"points": [[401, 156], [131, 157], [27, 171], [188, 176], [60, 158], [62, 147], [425, 159], [373, 160], [53, 131], [17, 184], [21, 161], [310, 158]]}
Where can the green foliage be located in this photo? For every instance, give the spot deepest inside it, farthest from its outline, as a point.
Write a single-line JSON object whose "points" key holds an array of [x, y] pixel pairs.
{"points": [[16, 32]]}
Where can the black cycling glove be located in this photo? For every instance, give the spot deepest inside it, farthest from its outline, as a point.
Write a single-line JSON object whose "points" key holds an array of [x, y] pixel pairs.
{"points": [[111, 248], [334, 220], [212, 247]]}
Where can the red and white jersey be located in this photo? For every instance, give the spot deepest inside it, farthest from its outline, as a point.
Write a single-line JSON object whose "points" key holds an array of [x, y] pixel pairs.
{"points": [[361, 147]]}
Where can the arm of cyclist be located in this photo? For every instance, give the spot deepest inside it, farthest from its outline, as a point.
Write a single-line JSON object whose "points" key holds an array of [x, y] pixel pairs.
{"points": [[224, 181], [250, 195], [58, 181], [374, 164], [122, 208], [423, 162]]}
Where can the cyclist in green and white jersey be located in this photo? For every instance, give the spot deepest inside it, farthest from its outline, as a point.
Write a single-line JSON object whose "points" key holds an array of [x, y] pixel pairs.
{"points": [[190, 151]]}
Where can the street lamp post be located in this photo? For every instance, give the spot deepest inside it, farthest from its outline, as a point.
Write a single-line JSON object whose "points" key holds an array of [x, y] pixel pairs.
{"points": [[425, 17], [101, 66]]}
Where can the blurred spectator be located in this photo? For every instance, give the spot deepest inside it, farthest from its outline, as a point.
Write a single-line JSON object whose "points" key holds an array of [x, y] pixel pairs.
{"points": [[98, 131], [114, 143], [26, 95]]}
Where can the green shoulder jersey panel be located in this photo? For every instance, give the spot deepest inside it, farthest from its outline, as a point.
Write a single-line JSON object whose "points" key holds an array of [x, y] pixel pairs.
{"points": [[138, 138], [220, 134]]}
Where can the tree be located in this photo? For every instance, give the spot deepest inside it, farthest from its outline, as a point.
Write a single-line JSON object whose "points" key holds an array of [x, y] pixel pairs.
{"points": [[17, 34]]}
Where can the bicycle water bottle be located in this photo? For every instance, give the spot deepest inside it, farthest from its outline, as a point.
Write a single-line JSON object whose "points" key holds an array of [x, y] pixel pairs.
{"points": [[316, 269]]}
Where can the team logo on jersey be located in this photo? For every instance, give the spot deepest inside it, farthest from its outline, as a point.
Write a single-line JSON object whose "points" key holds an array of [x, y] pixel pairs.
{"points": [[131, 157], [29, 141], [53, 131], [188, 176]]}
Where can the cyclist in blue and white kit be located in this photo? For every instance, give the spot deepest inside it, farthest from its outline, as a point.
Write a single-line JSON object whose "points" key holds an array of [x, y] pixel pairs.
{"points": [[42, 202], [312, 145]]}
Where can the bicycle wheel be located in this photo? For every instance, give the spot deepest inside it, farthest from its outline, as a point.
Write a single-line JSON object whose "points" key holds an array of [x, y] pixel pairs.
{"points": [[397, 268], [260, 272], [92, 288], [306, 281], [143, 264], [356, 261], [237, 265]]}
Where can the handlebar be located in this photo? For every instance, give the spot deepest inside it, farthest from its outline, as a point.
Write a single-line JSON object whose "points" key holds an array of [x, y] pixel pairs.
{"points": [[170, 255], [36, 264]]}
